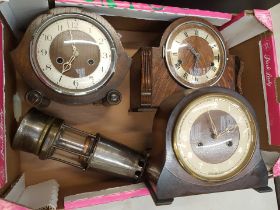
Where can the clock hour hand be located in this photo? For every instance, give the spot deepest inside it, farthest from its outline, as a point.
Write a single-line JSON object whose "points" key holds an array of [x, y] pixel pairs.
{"points": [[229, 129], [67, 65], [197, 58], [196, 55]]}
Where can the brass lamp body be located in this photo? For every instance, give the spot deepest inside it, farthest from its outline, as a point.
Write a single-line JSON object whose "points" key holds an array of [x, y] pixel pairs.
{"points": [[50, 138]]}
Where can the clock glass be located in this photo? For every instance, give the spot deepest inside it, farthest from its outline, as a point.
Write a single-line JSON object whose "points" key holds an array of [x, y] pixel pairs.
{"points": [[215, 137], [195, 54], [73, 54]]}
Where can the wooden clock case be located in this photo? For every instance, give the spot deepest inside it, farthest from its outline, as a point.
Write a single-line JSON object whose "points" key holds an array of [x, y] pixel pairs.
{"points": [[150, 79], [165, 175], [22, 62]]}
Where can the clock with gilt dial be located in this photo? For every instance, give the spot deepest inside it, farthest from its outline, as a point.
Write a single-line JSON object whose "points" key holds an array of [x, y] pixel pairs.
{"points": [[214, 137], [205, 141], [71, 56]]}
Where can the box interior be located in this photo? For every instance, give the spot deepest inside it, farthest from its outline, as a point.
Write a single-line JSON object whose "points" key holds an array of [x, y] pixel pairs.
{"points": [[115, 122]]}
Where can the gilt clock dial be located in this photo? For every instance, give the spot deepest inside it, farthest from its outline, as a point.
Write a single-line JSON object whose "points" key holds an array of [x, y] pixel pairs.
{"points": [[73, 54], [195, 54], [215, 137]]}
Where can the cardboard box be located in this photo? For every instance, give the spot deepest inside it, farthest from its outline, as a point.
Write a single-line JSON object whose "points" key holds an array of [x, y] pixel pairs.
{"points": [[143, 26]]}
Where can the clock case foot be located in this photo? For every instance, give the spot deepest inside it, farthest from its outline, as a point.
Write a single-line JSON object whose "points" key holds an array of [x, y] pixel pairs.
{"points": [[38, 100]]}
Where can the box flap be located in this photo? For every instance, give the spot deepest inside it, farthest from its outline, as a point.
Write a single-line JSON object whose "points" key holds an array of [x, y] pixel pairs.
{"points": [[146, 11], [264, 17], [269, 69], [246, 25], [39, 196], [18, 13], [275, 16]]}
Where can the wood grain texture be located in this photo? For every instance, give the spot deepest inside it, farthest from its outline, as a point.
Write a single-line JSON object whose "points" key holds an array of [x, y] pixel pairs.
{"points": [[151, 82], [195, 36], [87, 52], [161, 81], [22, 63]]}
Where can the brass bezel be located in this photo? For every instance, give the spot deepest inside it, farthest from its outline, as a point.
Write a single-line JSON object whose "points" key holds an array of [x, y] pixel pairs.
{"points": [[251, 150], [173, 71]]}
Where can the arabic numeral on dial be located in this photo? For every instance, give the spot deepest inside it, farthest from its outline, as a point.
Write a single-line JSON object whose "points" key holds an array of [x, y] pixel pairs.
{"points": [[47, 37], [48, 67], [44, 52], [186, 34], [196, 32], [100, 41], [196, 79], [185, 75], [59, 80], [105, 55], [73, 24], [76, 83]]}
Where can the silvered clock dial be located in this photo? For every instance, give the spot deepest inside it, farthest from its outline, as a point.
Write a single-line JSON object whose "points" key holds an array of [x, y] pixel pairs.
{"points": [[205, 141], [75, 57], [214, 137]]}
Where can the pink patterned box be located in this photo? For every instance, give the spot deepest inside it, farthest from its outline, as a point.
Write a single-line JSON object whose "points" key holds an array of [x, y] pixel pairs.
{"points": [[269, 76], [3, 167]]}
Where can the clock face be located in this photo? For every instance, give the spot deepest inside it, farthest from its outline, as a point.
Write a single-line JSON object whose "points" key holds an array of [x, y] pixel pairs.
{"points": [[73, 54], [195, 54], [214, 137]]}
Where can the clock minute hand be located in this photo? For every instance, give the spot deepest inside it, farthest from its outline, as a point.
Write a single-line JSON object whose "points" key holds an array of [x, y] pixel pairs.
{"points": [[214, 129], [67, 65], [196, 55], [72, 42]]}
